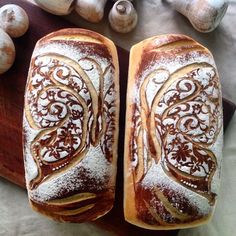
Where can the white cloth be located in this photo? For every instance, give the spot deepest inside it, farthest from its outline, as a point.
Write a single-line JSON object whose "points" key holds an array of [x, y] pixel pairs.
{"points": [[155, 17]]}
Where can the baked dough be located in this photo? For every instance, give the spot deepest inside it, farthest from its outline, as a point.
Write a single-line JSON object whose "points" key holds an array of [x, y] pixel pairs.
{"points": [[71, 125], [173, 145]]}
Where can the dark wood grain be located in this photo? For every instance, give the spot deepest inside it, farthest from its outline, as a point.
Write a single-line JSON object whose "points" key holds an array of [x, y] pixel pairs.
{"points": [[12, 85]]}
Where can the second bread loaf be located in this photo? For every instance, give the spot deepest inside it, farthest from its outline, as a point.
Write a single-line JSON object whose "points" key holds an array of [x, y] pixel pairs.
{"points": [[173, 146]]}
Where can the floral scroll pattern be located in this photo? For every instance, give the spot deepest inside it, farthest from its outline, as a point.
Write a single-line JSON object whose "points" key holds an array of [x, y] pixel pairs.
{"points": [[177, 118], [70, 112]]}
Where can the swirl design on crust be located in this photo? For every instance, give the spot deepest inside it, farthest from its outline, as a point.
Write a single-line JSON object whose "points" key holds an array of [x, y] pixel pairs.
{"points": [[70, 111], [177, 117]]}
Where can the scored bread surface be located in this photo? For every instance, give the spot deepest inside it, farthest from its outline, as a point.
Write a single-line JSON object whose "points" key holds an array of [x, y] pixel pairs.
{"points": [[71, 125], [173, 144]]}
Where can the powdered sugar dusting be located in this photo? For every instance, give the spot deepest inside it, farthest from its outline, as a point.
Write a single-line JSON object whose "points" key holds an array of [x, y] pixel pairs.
{"points": [[30, 165], [216, 148], [173, 64], [97, 169], [72, 52], [156, 176]]}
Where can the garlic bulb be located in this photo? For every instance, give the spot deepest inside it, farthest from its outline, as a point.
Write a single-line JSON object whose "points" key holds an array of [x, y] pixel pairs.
{"points": [[14, 20], [123, 17], [56, 7], [204, 15], [7, 52], [91, 10]]}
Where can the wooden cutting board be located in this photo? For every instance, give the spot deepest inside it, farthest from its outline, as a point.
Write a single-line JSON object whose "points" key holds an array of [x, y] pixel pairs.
{"points": [[12, 85]]}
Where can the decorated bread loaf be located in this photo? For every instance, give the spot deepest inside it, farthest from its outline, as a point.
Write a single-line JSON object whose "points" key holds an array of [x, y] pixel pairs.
{"points": [[173, 146], [71, 125]]}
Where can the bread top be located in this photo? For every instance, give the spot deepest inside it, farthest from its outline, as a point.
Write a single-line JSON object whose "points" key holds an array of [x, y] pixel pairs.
{"points": [[173, 146], [71, 115]]}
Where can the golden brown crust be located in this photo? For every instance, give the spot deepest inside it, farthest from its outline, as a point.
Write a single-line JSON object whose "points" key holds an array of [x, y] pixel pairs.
{"points": [[71, 125], [78, 32], [173, 134]]}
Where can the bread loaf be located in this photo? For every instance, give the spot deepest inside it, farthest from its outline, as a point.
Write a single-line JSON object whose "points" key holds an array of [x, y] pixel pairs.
{"points": [[173, 145], [71, 125]]}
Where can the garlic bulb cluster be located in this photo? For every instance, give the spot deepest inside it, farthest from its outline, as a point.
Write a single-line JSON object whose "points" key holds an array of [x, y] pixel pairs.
{"points": [[204, 15], [91, 10], [14, 20], [56, 7], [7, 52], [123, 16]]}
